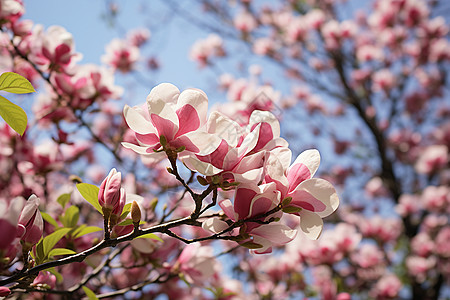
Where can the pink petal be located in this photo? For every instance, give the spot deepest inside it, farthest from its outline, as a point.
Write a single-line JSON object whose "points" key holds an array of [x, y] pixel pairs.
{"points": [[217, 157], [307, 201], [188, 119], [195, 98], [227, 208], [242, 201], [164, 127], [297, 174], [265, 135], [147, 139], [259, 206]]}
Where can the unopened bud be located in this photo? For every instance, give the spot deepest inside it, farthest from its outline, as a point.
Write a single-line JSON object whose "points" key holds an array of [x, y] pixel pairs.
{"points": [[135, 213], [75, 179], [202, 180]]}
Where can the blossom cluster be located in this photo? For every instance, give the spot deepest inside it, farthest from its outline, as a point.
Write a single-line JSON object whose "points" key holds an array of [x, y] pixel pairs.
{"points": [[252, 159]]}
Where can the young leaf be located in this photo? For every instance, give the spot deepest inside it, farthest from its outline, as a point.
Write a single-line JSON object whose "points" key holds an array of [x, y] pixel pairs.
{"points": [[13, 115], [15, 83], [63, 199], [60, 251], [90, 194], [49, 219], [150, 236], [50, 240], [83, 229], [125, 211], [71, 216], [89, 293], [129, 222]]}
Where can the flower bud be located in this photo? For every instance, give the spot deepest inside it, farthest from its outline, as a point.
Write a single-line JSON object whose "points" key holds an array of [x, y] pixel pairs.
{"points": [[109, 193], [135, 213], [31, 224]]}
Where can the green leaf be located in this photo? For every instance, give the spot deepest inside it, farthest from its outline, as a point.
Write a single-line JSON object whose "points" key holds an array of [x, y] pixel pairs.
{"points": [[90, 194], [13, 115], [40, 256], [89, 293], [71, 216], [129, 222], [49, 219], [151, 236], [15, 83], [83, 229], [291, 209], [63, 199], [60, 251], [126, 210], [50, 240]]}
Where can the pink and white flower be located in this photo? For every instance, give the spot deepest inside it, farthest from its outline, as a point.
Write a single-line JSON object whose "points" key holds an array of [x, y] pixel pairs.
{"points": [[177, 119], [314, 197], [240, 155]]}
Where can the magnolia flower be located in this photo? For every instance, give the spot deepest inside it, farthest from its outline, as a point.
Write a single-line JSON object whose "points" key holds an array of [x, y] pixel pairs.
{"points": [[240, 155], [312, 198], [252, 201], [173, 119], [121, 55]]}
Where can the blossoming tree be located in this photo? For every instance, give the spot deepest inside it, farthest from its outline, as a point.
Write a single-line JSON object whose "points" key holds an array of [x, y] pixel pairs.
{"points": [[214, 203]]}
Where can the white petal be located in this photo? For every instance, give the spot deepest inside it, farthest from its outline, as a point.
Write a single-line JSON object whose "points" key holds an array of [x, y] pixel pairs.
{"points": [[205, 142], [202, 167], [166, 92], [136, 148], [136, 120], [311, 224], [278, 234], [310, 158], [323, 191], [224, 127], [214, 225]]}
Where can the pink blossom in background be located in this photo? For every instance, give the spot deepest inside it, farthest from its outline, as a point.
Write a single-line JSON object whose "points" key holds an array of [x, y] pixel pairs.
{"points": [[9, 218], [138, 36], [121, 55], [197, 263], [55, 50], [387, 287], [432, 159]]}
